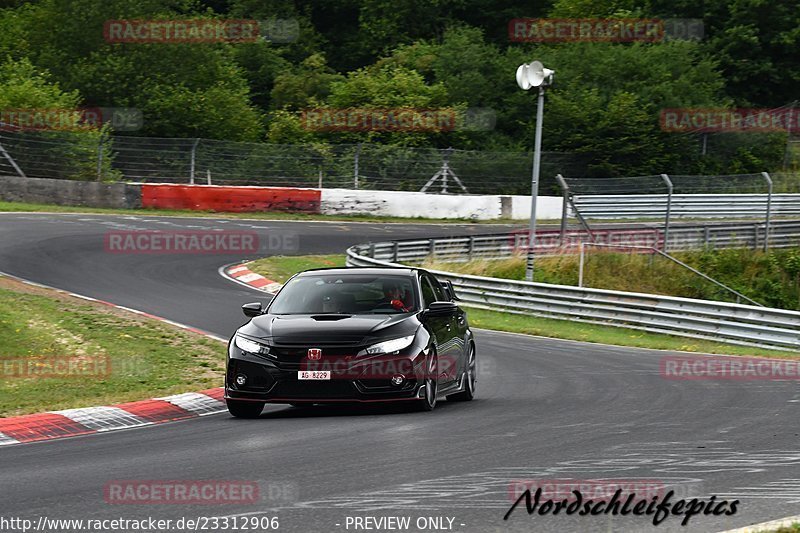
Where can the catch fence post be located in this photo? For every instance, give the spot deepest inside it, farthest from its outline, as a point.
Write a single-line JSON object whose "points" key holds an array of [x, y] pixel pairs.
{"points": [[564, 202], [192, 161], [100, 158], [668, 183], [769, 209]]}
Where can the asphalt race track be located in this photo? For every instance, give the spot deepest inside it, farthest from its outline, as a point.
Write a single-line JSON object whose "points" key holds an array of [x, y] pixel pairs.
{"points": [[545, 409]]}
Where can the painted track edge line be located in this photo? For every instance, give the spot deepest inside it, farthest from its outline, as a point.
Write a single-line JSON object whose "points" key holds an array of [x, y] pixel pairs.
{"points": [[253, 281]]}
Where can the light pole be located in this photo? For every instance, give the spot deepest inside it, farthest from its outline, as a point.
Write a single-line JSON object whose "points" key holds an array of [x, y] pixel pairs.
{"points": [[534, 74]]}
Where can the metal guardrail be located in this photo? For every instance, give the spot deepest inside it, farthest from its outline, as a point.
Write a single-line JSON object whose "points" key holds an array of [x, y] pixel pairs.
{"points": [[685, 205], [783, 234], [733, 323]]}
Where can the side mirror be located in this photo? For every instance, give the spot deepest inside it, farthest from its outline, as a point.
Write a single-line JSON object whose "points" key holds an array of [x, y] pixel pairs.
{"points": [[448, 287], [441, 309], [252, 309]]}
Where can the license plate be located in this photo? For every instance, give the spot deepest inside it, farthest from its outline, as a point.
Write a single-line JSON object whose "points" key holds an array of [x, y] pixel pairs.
{"points": [[315, 375]]}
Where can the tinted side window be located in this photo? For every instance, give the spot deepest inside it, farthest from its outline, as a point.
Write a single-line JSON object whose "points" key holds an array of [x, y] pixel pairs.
{"points": [[427, 291], [438, 290]]}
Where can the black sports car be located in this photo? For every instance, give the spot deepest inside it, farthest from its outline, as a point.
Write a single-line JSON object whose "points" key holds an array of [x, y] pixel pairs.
{"points": [[352, 335]]}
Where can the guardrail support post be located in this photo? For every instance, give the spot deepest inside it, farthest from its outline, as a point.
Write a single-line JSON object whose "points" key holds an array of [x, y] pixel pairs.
{"points": [[432, 248], [668, 183], [193, 160], [769, 210], [395, 251], [372, 250], [470, 247]]}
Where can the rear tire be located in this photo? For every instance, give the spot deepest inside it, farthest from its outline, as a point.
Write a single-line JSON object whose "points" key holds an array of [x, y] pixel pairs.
{"points": [[241, 409], [469, 380]]}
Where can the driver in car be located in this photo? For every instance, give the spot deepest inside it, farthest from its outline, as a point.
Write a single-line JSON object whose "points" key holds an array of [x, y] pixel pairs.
{"points": [[397, 296]]}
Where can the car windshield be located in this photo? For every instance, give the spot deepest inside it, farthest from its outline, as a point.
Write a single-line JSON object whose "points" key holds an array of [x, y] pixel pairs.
{"points": [[349, 294]]}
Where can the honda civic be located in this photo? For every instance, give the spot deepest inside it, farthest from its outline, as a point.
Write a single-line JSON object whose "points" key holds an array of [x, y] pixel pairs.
{"points": [[352, 335]]}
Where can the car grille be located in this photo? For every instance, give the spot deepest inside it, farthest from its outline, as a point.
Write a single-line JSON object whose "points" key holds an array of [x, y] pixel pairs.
{"points": [[292, 357]]}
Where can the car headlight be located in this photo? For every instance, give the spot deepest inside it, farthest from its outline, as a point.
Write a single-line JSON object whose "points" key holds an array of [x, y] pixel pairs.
{"points": [[391, 346], [249, 346]]}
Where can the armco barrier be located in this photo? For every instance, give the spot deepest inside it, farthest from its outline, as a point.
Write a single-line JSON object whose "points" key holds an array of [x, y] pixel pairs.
{"points": [[230, 199], [686, 205], [703, 319], [783, 234]]}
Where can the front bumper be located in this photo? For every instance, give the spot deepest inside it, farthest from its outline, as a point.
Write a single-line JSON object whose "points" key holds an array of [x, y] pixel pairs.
{"points": [[275, 379]]}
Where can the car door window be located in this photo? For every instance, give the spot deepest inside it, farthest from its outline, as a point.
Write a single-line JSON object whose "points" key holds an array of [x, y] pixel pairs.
{"points": [[438, 290], [427, 291]]}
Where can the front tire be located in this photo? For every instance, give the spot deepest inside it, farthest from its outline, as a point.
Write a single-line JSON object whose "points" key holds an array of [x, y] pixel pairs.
{"points": [[241, 409], [428, 401], [469, 380]]}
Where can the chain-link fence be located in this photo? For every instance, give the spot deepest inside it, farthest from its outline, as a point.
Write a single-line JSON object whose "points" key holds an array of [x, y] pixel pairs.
{"points": [[94, 156], [84, 156]]}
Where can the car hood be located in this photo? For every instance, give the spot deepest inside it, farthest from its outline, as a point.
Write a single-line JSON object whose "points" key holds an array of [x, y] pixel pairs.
{"points": [[329, 328]]}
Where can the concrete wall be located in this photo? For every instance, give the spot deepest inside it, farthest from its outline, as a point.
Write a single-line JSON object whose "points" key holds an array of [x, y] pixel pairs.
{"points": [[68, 192], [547, 207], [230, 199], [408, 204], [416, 204], [260, 199]]}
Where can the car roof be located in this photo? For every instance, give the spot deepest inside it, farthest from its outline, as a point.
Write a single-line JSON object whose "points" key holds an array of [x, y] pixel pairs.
{"points": [[405, 271]]}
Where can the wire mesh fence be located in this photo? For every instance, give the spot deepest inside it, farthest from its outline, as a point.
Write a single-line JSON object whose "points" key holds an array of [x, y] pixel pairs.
{"points": [[92, 156]]}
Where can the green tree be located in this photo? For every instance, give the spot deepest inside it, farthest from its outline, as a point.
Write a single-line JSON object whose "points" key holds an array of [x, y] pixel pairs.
{"points": [[23, 86], [181, 89]]}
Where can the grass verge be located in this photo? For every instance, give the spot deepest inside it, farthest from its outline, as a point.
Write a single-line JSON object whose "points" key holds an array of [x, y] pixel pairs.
{"points": [[122, 356], [270, 215], [281, 268], [770, 278]]}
